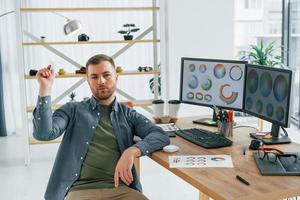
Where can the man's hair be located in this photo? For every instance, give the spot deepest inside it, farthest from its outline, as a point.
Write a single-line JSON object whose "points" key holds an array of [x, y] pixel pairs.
{"points": [[97, 59]]}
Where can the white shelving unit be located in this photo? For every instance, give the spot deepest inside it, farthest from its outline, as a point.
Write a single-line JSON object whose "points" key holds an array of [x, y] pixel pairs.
{"points": [[144, 103]]}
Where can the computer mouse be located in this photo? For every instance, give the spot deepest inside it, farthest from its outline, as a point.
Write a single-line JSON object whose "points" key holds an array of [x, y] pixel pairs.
{"points": [[170, 148]]}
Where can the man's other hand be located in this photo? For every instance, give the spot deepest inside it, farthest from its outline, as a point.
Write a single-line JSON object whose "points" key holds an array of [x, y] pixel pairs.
{"points": [[124, 166], [45, 77]]}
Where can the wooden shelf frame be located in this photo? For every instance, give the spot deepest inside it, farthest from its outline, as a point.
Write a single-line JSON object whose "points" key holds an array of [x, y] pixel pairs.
{"points": [[136, 103], [124, 73], [33, 141], [89, 42], [132, 8]]}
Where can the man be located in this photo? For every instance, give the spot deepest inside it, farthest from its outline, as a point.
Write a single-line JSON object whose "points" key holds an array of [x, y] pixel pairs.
{"points": [[95, 158]]}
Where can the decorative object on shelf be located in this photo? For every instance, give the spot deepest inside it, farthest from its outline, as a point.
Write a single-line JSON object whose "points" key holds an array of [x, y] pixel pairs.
{"points": [[82, 70], [146, 68], [61, 72], [261, 55], [72, 96], [32, 72], [151, 83], [119, 69], [130, 29], [71, 26], [127, 103], [83, 37], [43, 38]]}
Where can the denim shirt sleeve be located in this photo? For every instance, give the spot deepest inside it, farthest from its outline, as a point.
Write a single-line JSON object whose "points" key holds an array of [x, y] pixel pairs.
{"points": [[153, 137], [48, 126]]}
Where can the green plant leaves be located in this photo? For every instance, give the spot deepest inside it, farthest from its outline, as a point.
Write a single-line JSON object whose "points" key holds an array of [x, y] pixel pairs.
{"points": [[264, 55]]}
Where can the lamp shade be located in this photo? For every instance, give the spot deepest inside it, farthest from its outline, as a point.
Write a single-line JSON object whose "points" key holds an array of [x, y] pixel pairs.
{"points": [[72, 26]]}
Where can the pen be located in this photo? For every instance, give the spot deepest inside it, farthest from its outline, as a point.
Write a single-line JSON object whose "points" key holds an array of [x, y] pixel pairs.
{"points": [[242, 180]]}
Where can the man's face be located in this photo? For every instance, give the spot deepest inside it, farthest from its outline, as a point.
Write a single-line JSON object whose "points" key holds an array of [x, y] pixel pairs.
{"points": [[102, 79]]}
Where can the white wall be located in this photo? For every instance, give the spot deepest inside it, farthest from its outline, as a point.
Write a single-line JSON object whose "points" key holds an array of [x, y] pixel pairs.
{"points": [[201, 29]]}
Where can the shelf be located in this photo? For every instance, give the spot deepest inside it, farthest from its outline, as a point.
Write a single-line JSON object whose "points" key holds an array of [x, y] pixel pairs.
{"points": [[33, 141], [124, 73], [89, 42], [137, 103], [90, 9]]}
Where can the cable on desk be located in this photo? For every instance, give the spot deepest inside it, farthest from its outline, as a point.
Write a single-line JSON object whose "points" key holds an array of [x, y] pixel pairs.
{"points": [[235, 127]]}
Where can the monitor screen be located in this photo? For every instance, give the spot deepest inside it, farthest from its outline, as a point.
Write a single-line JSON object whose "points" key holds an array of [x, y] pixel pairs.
{"points": [[267, 93], [209, 82]]}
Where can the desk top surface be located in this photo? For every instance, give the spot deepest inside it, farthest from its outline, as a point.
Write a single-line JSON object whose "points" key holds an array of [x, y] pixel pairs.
{"points": [[221, 183]]}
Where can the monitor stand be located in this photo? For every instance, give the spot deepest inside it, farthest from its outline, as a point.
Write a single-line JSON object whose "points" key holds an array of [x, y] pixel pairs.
{"points": [[207, 121], [276, 138]]}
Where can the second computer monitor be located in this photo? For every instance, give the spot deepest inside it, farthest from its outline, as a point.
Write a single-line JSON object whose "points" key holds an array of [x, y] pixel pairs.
{"points": [[210, 82]]}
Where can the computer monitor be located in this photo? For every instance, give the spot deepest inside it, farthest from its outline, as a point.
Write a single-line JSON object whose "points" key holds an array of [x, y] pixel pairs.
{"points": [[268, 96], [212, 82]]}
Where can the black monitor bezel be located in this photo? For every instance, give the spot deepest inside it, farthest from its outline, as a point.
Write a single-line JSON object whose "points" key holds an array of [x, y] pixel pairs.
{"points": [[209, 60], [286, 123]]}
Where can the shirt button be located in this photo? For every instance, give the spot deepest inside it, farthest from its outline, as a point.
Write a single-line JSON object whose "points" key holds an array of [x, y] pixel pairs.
{"points": [[146, 121], [98, 114], [87, 142], [67, 188], [40, 103], [81, 158], [147, 151], [76, 174], [39, 118], [46, 101], [93, 127]]}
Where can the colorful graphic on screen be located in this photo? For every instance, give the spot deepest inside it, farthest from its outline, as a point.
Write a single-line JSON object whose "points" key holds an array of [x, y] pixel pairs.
{"points": [[236, 73], [192, 67], [267, 93], [214, 82], [206, 82], [228, 99], [252, 81], [265, 84], [202, 68], [259, 106], [270, 110], [194, 82], [280, 88], [249, 103], [219, 71]]}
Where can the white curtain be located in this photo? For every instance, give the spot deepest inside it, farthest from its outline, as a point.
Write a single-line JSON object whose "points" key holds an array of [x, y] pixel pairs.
{"points": [[8, 51]]}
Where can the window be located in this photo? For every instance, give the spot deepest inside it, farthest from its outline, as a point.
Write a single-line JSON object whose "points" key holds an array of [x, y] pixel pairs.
{"points": [[261, 21], [294, 52]]}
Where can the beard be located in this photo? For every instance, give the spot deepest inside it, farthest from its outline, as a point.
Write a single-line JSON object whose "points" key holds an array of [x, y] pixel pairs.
{"points": [[103, 93]]}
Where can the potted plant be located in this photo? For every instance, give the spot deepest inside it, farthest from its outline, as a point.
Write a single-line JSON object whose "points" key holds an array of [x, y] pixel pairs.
{"points": [[267, 56], [130, 29], [72, 96], [151, 83]]}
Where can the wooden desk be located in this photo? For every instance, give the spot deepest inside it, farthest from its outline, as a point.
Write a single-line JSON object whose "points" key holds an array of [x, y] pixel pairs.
{"points": [[221, 183]]}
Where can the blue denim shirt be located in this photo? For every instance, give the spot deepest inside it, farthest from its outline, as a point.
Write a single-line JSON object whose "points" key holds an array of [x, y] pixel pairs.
{"points": [[77, 121]]}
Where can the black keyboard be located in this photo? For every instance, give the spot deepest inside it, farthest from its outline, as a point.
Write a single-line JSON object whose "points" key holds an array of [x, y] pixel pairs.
{"points": [[204, 138]]}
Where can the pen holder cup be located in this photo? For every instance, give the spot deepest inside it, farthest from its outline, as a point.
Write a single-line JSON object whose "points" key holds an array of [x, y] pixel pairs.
{"points": [[225, 129]]}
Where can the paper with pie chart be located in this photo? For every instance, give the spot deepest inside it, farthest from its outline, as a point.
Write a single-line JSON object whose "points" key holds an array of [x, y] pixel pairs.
{"points": [[200, 161], [213, 83]]}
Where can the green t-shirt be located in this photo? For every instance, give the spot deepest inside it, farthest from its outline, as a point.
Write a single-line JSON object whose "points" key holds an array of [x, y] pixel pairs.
{"points": [[98, 168]]}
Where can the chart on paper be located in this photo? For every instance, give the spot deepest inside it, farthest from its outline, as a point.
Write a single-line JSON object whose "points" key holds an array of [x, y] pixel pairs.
{"points": [[200, 161]]}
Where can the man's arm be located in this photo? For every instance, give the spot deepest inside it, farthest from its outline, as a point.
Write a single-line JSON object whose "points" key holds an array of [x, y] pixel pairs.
{"points": [[47, 126], [153, 138]]}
